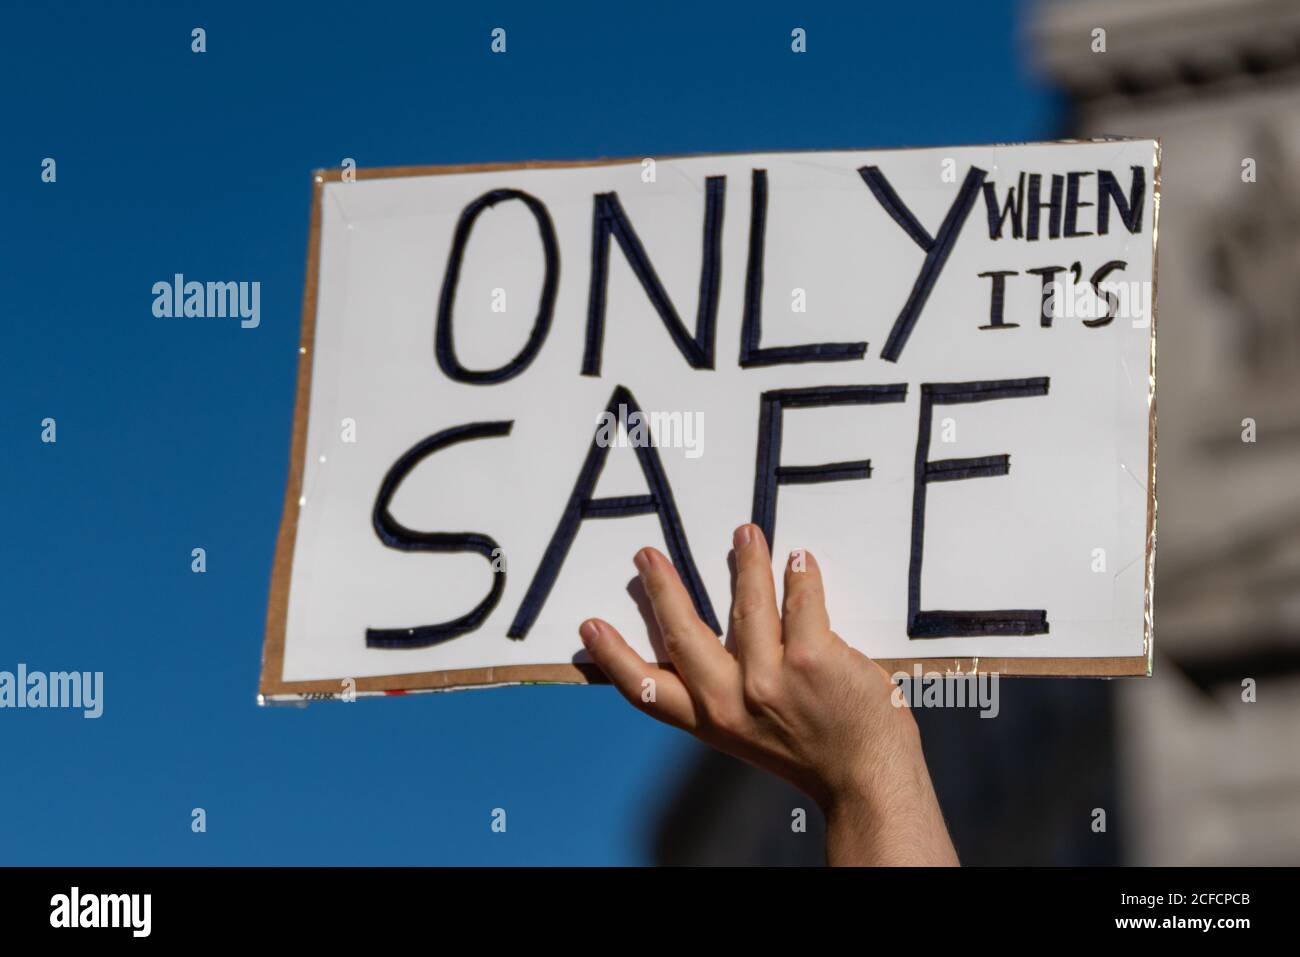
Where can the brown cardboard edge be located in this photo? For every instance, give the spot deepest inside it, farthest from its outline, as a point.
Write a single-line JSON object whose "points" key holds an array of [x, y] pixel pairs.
{"points": [[586, 674], [335, 175], [277, 606], [271, 684], [1149, 581]]}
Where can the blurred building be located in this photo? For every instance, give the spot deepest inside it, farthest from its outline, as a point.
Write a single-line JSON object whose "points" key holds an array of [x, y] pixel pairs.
{"points": [[1207, 777], [1190, 772], [1016, 790]]}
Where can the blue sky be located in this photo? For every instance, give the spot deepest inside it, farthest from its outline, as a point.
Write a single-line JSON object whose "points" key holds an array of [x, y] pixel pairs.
{"points": [[176, 434]]}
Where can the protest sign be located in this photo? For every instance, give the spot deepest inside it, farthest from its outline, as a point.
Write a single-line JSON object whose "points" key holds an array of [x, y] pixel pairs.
{"points": [[934, 369]]}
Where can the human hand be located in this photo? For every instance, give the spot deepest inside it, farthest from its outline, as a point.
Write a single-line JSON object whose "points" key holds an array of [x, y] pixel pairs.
{"points": [[794, 699]]}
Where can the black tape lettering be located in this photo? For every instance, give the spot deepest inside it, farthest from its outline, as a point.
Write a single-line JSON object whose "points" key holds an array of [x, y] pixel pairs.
{"points": [[1072, 205], [997, 298], [1013, 208], [1130, 209], [770, 474], [1036, 206], [1046, 309], [961, 624], [444, 344], [751, 329], [1109, 299], [609, 219], [582, 506], [936, 248], [396, 535]]}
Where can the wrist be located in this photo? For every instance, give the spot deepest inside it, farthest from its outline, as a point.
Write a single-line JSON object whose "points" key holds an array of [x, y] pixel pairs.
{"points": [[886, 818]]}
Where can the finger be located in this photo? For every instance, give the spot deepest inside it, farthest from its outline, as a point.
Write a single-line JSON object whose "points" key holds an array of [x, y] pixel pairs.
{"points": [[654, 690], [705, 666], [754, 620], [803, 606]]}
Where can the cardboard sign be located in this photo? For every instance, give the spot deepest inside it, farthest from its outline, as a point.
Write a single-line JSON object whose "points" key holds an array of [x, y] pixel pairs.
{"points": [[934, 369]]}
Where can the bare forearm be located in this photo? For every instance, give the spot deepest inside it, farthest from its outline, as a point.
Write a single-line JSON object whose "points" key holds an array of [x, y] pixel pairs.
{"points": [[857, 836], [886, 812]]}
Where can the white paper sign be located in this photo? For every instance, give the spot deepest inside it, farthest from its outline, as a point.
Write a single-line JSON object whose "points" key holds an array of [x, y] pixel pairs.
{"points": [[963, 335]]}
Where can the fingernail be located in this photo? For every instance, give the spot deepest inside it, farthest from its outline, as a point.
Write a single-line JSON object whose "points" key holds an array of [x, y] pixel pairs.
{"points": [[642, 561], [742, 536], [588, 633]]}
